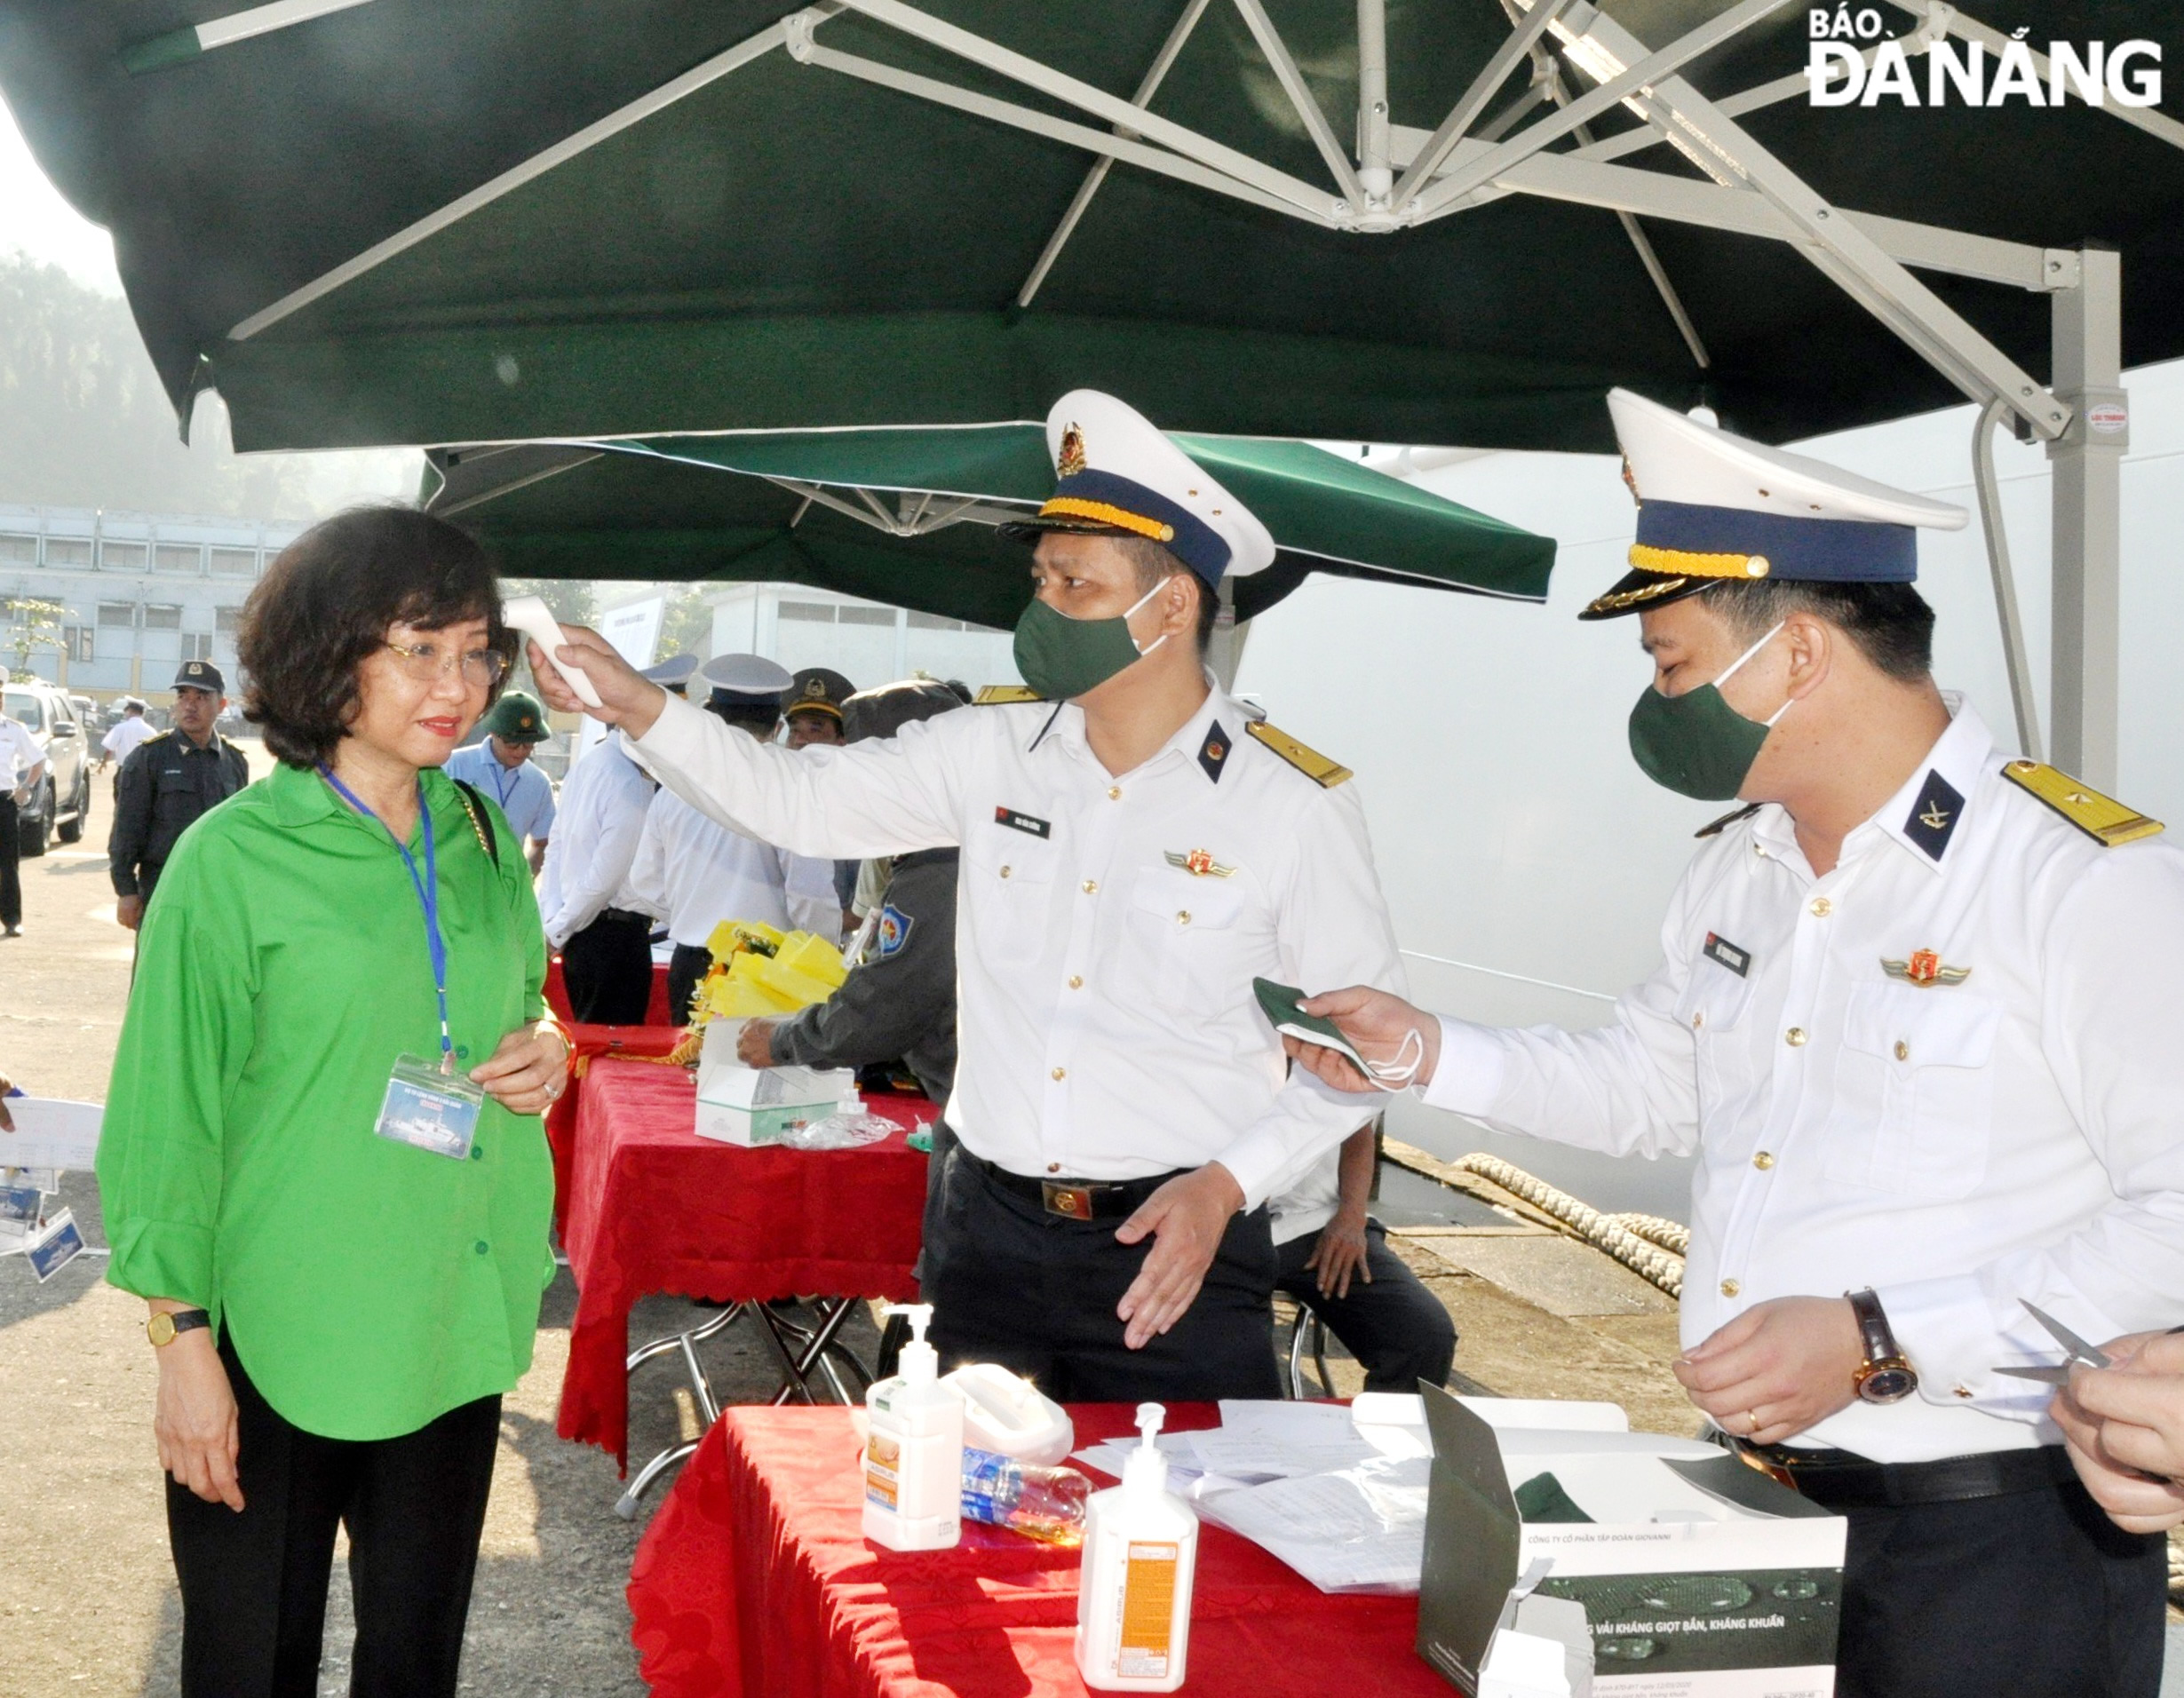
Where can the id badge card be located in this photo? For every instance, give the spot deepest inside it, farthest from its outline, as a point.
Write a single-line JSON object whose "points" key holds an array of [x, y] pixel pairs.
{"points": [[433, 1110]]}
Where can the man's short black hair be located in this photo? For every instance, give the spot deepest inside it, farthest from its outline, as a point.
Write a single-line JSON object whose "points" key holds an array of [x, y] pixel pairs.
{"points": [[326, 605], [1154, 565], [760, 721], [1891, 623]]}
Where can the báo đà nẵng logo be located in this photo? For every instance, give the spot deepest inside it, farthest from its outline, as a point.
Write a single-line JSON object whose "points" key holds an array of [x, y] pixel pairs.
{"points": [[1855, 61]]}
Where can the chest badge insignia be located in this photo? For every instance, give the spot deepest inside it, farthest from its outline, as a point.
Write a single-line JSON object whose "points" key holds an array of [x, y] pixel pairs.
{"points": [[1199, 864], [1925, 969]]}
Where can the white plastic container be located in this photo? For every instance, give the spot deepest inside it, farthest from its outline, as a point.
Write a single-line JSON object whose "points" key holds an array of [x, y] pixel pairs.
{"points": [[913, 1450], [1133, 1595], [1009, 1415]]}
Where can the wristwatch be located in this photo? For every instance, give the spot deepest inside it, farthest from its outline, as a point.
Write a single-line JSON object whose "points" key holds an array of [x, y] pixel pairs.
{"points": [[1884, 1377], [161, 1328]]}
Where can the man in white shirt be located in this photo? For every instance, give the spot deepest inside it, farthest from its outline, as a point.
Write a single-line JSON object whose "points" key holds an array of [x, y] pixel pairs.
{"points": [[22, 763], [132, 728], [694, 872], [1135, 850], [500, 766], [1917, 1021], [591, 915]]}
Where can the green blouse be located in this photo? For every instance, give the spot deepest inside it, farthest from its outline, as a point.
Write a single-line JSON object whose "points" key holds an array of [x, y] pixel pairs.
{"points": [[369, 1286]]}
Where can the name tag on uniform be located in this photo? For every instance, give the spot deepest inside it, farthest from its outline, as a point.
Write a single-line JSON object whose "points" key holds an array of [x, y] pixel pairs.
{"points": [[1025, 822], [430, 1109], [1722, 953]]}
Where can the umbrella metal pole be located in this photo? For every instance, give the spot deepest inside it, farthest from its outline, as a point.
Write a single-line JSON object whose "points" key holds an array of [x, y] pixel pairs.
{"points": [[1374, 170], [2023, 703], [2087, 497]]}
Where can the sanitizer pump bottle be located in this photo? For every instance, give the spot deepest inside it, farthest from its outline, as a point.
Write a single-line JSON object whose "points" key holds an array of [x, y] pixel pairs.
{"points": [[1133, 1596], [913, 1456]]}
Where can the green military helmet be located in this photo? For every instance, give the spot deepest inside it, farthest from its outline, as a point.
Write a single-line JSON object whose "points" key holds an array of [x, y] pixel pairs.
{"points": [[516, 719]]}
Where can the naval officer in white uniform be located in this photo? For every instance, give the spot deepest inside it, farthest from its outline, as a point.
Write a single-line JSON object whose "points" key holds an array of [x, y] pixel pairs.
{"points": [[591, 915], [1917, 1018], [1135, 849]]}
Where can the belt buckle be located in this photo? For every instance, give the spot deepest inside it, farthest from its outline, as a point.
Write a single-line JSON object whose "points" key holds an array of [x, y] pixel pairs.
{"points": [[1072, 1202]]}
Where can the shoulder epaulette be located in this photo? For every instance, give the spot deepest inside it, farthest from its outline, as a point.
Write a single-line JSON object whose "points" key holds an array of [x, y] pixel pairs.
{"points": [[2096, 815], [158, 735], [1715, 828], [997, 695], [1310, 762]]}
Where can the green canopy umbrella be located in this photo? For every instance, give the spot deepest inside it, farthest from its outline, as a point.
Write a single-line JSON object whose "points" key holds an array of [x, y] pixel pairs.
{"points": [[404, 221], [908, 516]]}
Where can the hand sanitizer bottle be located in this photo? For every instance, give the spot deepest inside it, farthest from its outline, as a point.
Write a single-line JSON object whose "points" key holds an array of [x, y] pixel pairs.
{"points": [[1133, 1595], [913, 1453]]}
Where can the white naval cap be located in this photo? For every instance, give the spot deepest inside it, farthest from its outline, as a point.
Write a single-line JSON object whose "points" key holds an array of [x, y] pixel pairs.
{"points": [[1117, 472], [750, 680], [1712, 505]]}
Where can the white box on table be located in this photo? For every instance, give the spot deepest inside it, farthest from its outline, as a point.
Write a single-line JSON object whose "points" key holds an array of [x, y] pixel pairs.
{"points": [[755, 1106]]}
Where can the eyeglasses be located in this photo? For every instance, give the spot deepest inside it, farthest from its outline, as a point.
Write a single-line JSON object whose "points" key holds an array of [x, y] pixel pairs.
{"points": [[428, 664]]}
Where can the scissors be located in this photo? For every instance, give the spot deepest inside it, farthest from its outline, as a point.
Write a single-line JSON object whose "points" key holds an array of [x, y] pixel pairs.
{"points": [[2076, 1348]]}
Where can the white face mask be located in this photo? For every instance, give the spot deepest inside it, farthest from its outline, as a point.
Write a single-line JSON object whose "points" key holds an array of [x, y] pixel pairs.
{"points": [[1397, 1075], [1130, 613]]}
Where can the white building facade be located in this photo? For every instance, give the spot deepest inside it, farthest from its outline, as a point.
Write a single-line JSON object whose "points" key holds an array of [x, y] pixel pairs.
{"points": [[140, 593]]}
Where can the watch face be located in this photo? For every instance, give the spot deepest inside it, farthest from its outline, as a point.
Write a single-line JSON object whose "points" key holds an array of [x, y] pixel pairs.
{"points": [[160, 1328], [1888, 1384]]}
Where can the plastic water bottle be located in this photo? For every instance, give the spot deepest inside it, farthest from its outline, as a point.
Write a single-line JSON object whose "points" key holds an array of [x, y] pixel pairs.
{"points": [[1043, 1503]]}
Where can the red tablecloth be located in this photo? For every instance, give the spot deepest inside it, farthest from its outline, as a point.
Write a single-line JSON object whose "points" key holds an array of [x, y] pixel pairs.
{"points": [[754, 1581], [652, 1207], [591, 1042], [557, 994]]}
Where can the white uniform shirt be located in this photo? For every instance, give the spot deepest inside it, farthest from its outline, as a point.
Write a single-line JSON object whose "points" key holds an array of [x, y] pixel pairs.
{"points": [[596, 831], [2017, 1135], [1106, 1016], [121, 741], [694, 873], [19, 753], [1309, 1203], [524, 792]]}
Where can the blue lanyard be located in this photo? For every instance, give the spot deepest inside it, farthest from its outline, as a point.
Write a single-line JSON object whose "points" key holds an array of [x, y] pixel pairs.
{"points": [[427, 887], [500, 772]]}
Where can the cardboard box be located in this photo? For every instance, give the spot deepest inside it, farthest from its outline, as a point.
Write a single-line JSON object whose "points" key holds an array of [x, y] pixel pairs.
{"points": [[1700, 1576], [755, 1106]]}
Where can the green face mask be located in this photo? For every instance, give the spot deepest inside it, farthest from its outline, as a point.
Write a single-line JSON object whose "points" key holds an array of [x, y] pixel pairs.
{"points": [[1695, 743], [1061, 658]]}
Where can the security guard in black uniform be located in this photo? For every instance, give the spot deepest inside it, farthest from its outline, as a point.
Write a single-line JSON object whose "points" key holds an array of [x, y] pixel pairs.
{"points": [[173, 778]]}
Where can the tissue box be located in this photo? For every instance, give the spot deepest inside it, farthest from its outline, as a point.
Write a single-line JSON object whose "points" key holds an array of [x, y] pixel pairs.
{"points": [[755, 1106], [1700, 1577]]}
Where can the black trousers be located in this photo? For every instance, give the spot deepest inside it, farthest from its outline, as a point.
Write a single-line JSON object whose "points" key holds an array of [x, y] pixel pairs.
{"points": [[690, 963], [10, 861], [1010, 1283], [2035, 1595], [254, 1582], [1396, 1327], [608, 968]]}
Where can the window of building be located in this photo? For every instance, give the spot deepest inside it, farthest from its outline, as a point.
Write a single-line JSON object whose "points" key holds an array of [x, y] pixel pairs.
{"points": [[818, 613], [866, 615], [21, 551], [68, 550], [76, 640], [178, 556], [196, 645], [122, 556], [235, 562], [227, 621], [160, 616], [933, 622], [122, 614]]}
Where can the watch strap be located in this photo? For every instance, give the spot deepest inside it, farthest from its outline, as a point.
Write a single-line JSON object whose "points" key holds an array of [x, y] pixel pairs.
{"points": [[1879, 1338]]}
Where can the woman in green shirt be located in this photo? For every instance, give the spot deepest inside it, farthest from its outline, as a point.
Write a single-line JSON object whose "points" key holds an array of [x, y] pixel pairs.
{"points": [[341, 1283]]}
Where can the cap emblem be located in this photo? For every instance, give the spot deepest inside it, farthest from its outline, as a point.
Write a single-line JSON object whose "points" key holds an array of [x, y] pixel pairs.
{"points": [[1070, 462], [815, 688]]}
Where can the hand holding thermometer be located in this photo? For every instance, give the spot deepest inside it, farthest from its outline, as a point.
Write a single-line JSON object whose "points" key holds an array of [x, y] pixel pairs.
{"points": [[529, 615]]}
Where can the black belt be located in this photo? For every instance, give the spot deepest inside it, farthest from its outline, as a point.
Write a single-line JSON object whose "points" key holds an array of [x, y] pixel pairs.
{"points": [[1074, 1199], [624, 917], [1838, 1479]]}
